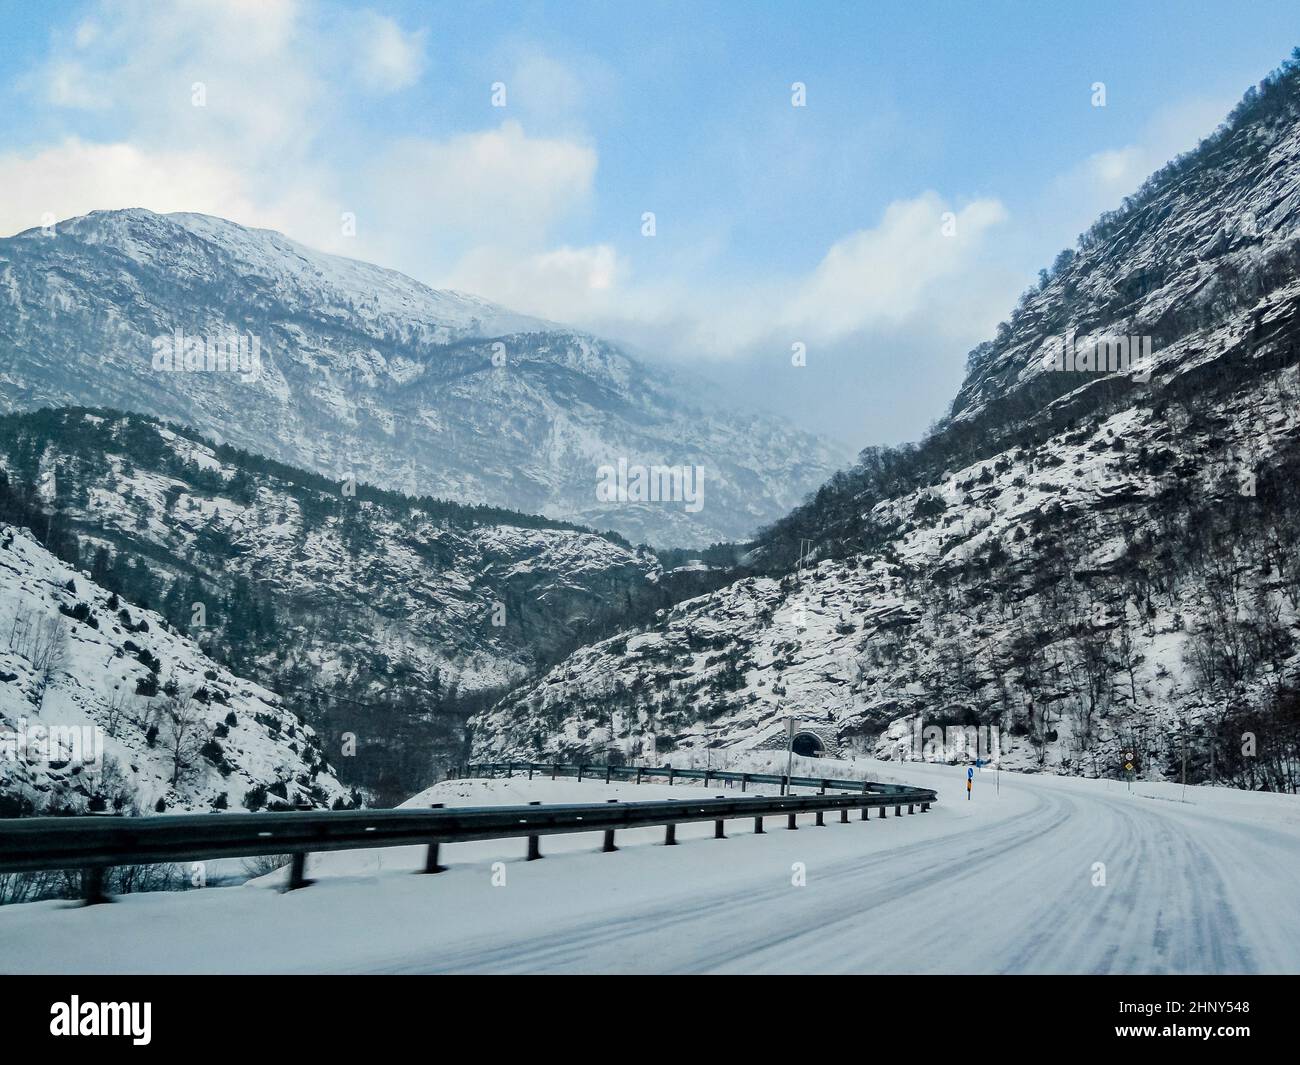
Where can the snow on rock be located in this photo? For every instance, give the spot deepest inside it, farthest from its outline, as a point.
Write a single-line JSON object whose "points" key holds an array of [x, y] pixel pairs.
{"points": [[169, 725]]}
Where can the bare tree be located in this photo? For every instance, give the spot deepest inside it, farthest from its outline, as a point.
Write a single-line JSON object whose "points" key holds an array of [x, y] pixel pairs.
{"points": [[117, 709], [1128, 658], [42, 640], [181, 732]]}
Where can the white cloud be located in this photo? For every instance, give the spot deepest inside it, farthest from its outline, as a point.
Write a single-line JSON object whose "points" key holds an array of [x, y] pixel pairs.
{"points": [[565, 284], [74, 178], [894, 275], [887, 274], [495, 188], [255, 59], [388, 58], [273, 74]]}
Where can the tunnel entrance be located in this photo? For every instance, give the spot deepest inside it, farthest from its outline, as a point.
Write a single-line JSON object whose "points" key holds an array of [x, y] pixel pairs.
{"points": [[808, 745]]}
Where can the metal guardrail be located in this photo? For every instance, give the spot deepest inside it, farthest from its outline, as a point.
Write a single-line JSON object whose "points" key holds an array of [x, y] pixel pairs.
{"points": [[638, 774], [96, 843]]}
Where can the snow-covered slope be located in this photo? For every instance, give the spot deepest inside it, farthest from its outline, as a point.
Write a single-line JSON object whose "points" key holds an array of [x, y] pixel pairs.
{"points": [[364, 372], [1088, 562], [167, 724]]}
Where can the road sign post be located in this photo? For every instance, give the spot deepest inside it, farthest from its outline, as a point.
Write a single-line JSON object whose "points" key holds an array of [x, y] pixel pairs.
{"points": [[1130, 765]]}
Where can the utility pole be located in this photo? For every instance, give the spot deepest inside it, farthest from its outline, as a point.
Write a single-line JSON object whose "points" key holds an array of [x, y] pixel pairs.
{"points": [[789, 750], [1184, 730]]}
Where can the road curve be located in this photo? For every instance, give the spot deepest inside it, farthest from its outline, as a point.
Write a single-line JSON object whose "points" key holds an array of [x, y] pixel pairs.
{"points": [[1079, 877]]}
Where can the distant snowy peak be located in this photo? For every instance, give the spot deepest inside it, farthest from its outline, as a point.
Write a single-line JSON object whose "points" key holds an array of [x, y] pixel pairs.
{"points": [[293, 272], [363, 372]]}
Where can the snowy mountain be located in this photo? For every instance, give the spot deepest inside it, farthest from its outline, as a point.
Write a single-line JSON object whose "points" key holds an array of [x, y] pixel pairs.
{"points": [[157, 724], [348, 369], [374, 614], [1088, 558]]}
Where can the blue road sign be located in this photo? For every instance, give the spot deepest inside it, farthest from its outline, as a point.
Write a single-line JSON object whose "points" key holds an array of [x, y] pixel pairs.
{"points": [[969, 772]]}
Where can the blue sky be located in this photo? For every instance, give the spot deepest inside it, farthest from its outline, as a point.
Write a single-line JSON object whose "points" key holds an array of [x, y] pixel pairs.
{"points": [[775, 225]]}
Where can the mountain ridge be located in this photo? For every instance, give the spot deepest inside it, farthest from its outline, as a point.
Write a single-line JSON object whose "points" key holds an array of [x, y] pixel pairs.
{"points": [[370, 374]]}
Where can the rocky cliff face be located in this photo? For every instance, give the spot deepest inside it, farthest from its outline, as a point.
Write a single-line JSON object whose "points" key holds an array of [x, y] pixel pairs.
{"points": [[360, 371], [1088, 560]]}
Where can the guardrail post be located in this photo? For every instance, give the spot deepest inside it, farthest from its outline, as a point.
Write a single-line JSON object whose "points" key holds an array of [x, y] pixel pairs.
{"points": [[534, 842], [785, 783], [298, 872], [789, 823], [823, 791], [608, 767], [844, 816], [638, 774], [925, 807], [910, 808], [744, 781], [579, 772], [530, 770], [92, 882], [883, 813], [431, 858], [609, 836], [898, 811], [821, 820], [717, 825], [670, 835], [554, 769], [866, 814], [758, 826], [672, 776]]}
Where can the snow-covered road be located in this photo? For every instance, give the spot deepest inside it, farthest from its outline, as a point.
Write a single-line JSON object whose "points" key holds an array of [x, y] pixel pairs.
{"points": [[1045, 875]]}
